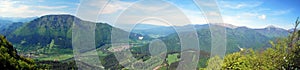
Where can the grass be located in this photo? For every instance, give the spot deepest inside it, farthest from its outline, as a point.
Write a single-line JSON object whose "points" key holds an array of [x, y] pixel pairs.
{"points": [[163, 68], [53, 54], [99, 53], [55, 57], [172, 58]]}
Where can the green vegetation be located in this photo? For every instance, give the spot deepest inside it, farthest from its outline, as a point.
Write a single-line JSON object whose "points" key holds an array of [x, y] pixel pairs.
{"points": [[48, 39], [242, 36], [172, 58], [283, 55], [10, 60], [59, 57]]}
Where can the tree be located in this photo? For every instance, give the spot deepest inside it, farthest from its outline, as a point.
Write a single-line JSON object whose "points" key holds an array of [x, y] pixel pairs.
{"points": [[236, 61], [214, 63], [284, 54], [9, 60]]}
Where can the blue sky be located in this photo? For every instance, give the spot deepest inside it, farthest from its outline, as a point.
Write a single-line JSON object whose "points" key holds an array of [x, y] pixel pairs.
{"points": [[250, 13]]}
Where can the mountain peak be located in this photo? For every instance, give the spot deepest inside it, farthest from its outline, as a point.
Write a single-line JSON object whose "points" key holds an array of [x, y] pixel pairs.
{"points": [[58, 16], [55, 19], [53, 15], [227, 25], [230, 25], [271, 26]]}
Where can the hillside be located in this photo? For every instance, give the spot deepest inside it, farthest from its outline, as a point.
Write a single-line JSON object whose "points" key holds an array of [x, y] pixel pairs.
{"points": [[10, 60], [162, 31], [243, 37], [236, 37], [55, 28], [4, 23], [272, 31], [10, 28]]}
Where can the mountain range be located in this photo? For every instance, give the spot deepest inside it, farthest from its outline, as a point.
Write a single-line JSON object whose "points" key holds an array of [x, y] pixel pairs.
{"points": [[236, 36], [270, 31], [18, 19], [4, 24], [41, 31], [9, 22], [49, 37]]}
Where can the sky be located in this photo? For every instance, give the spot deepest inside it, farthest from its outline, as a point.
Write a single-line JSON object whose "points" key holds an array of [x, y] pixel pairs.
{"points": [[249, 13]]}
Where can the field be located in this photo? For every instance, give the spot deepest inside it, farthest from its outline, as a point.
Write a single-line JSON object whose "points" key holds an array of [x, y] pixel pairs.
{"points": [[172, 58]]}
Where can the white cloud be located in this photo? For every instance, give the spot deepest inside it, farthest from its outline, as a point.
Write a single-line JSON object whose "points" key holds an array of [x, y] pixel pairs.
{"points": [[166, 10], [234, 5], [253, 19], [281, 12], [248, 14], [196, 17], [115, 6], [50, 7], [263, 17], [160, 9], [11, 8], [213, 13]]}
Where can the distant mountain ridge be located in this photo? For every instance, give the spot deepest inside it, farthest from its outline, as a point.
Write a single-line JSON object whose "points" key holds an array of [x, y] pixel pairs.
{"points": [[4, 23], [161, 31], [18, 19], [10, 28], [272, 31], [241, 36], [236, 36], [56, 28]]}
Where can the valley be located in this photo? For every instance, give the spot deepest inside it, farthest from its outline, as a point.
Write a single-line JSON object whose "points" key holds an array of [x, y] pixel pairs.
{"points": [[48, 40]]}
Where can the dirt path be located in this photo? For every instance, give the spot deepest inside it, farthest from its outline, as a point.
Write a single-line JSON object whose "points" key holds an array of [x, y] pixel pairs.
{"points": [[156, 68]]}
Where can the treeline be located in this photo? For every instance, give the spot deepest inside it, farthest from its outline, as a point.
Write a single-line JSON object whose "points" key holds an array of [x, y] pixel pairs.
{"points": [[283, 55]]}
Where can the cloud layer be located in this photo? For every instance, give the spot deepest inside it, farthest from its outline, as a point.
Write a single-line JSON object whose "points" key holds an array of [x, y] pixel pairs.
{"points": [[254, 14], [17, 8]]}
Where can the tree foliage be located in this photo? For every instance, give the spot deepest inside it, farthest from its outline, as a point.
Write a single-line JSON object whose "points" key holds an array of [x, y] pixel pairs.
{"points": [[9, 60], [284, 54]]}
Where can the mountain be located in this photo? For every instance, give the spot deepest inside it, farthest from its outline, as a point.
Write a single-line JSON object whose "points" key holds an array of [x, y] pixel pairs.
{"points": [[146, 26], [41, 31], [8, 22], [18, 19], [56, 29], [4, 23], [156, 31], [162, 31], [10, 28], [7, 26], [236, 37], [272, 31], [48, 39]]}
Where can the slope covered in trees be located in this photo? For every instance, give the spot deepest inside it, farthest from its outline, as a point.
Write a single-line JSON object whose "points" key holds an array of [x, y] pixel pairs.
{"points": [[10, 60], [55, 30], [283, 55], [238, 37]]}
